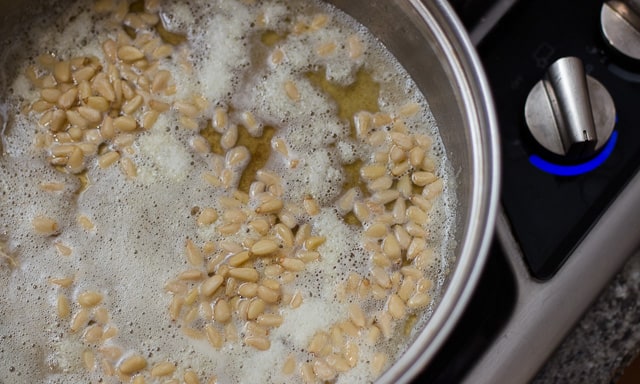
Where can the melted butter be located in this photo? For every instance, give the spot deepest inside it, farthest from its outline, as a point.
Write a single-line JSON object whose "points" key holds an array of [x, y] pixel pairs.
{"points": [[271, 38], [259, 147], [361, 95], [167, 36]]}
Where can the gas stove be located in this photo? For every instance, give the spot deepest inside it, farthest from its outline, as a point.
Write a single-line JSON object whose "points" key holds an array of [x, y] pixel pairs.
{"points": [[565, 76]]}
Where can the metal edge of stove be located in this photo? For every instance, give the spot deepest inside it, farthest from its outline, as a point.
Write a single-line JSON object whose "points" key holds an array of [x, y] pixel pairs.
{"points": [[531, 335]]}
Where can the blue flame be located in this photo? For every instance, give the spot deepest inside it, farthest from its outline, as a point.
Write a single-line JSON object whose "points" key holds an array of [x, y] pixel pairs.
{"points": [[576, 169]]}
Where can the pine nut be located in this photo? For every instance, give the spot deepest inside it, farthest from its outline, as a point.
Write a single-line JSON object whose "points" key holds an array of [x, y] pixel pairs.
{"points": [[391, 247], [381, 277], [259, 343], [125, 123], [244, 274], [190, 377], [296, 300], [271, 206], [92, 334], [372, 172], [211, 285], [268, 295], [356, 48], [381, 184], [356, 315], [270, 320], [396, 307], [129, 53], [132, 364], [318, 342], [376, 230], [108, 159], [347, 201], [433, 190], [163, 369], [215, 338], [423, 178], [417, 215], [264, 247], [79, 320], [89, 299], [306, 371], [291, 264], [63, 307], [129, 168], [289, 366], [313, 242], [323, 370], [419, 300], [380, 119], [362, 122], [385, 197], [397, 154], [378, 362], [351, 354], [291, 90], [44, 225], [221, 311]]}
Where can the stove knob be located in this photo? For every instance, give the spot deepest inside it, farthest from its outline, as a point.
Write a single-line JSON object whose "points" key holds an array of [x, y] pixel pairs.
{"points": [[620, 22], [569, 113]]}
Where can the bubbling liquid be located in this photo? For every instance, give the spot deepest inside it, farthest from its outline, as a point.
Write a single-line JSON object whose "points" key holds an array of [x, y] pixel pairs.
{"points": [[262, 198]]}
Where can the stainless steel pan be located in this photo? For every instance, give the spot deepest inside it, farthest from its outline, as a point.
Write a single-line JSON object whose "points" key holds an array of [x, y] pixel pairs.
{"points": [[430, 42]]}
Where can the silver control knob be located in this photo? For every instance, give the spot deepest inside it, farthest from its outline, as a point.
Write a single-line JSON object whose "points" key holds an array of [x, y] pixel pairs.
{"points": [[620, 22], [569, 113]]}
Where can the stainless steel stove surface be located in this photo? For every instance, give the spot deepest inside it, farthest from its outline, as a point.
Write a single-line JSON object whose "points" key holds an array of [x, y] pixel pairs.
{"points": [[570, 212]]}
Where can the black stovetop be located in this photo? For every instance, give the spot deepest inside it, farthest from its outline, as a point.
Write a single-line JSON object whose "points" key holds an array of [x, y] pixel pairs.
{"points": [[549, 214]]}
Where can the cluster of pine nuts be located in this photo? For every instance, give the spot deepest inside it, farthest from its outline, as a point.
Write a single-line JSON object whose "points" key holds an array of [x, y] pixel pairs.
{"points": [[93, 109], [394, 213], [90, 319], [242, 281]]}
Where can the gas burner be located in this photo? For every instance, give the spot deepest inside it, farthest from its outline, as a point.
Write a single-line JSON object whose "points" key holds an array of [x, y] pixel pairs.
{"points": [[566, 86]]}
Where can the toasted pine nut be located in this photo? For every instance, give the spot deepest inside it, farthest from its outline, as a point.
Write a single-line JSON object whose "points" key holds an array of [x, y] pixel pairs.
{"points": [[356, 48], [221, 311], [291, 90], [264, 247], [244, 274], [129, 54], [356, 315], [45, 225], [211, 285], [163, 369], [291, 264], [107, 159], [89, 299], [214, 337], [396, 307], [125, 123], [132, 364], [129, 168], [63, 307], [259, 343], [419, 300], [289, 366]]}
